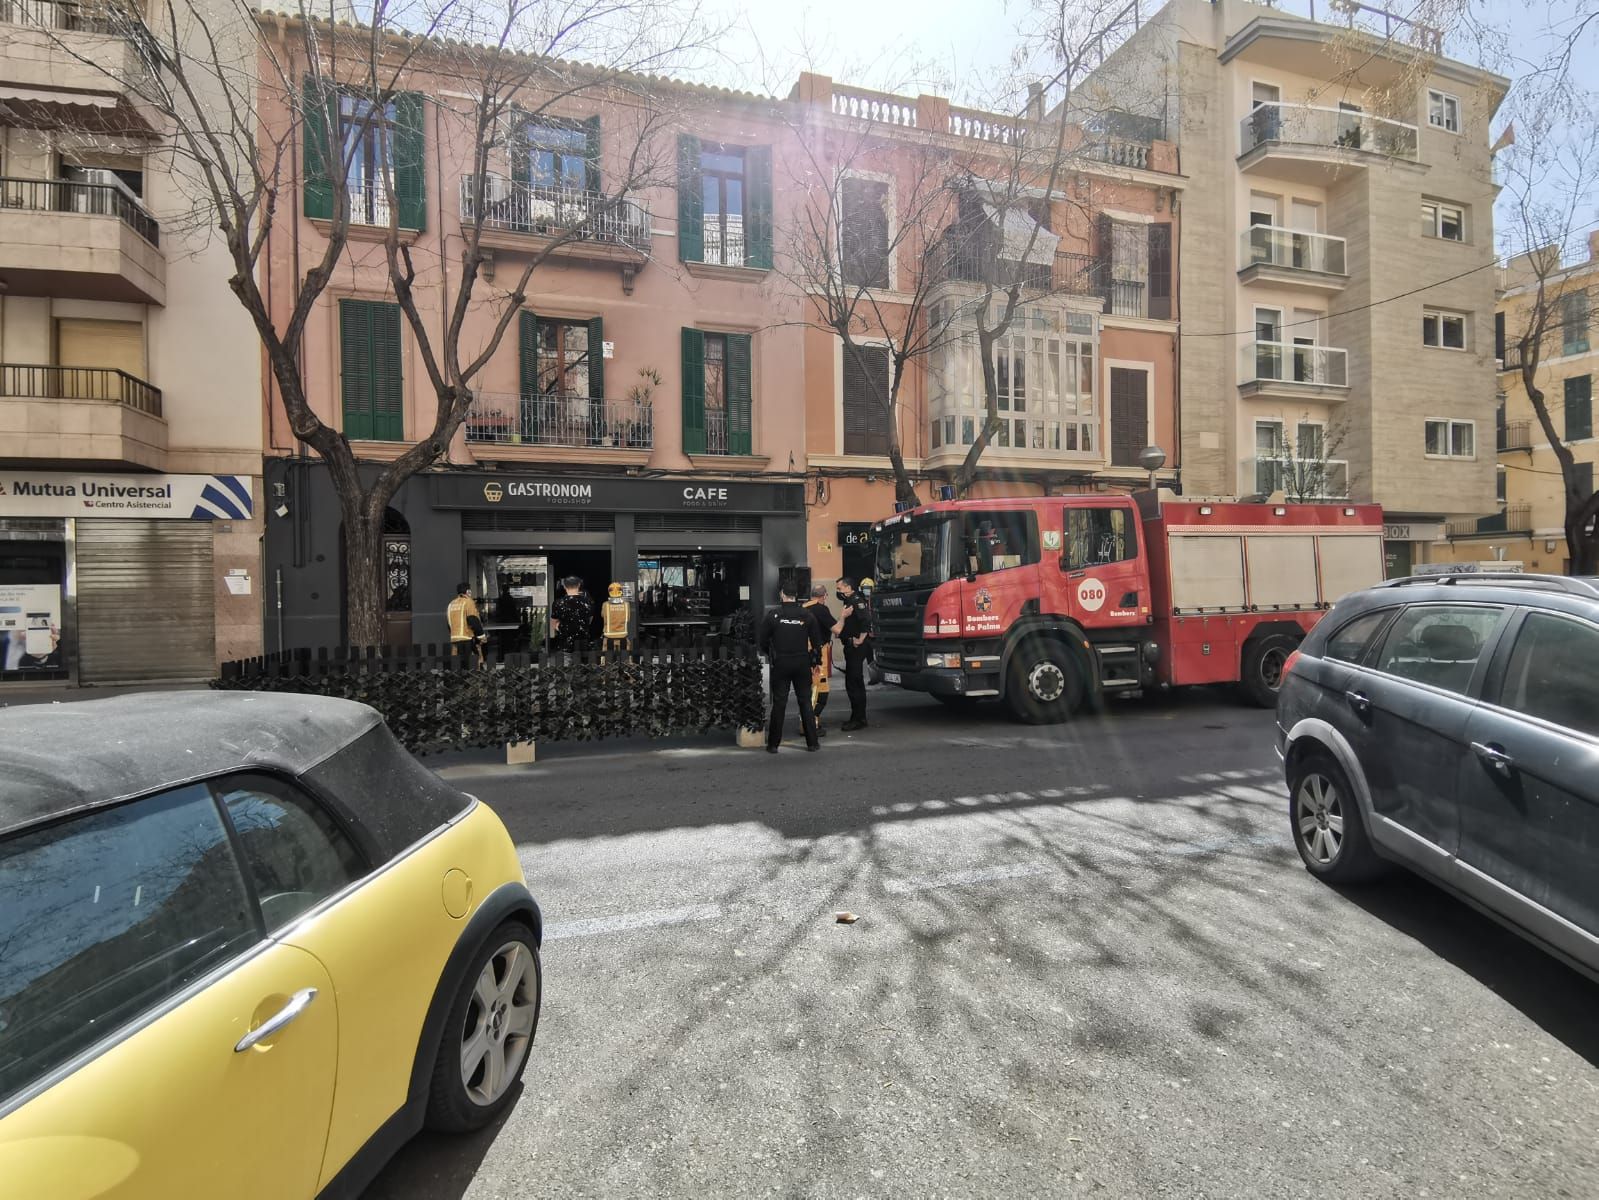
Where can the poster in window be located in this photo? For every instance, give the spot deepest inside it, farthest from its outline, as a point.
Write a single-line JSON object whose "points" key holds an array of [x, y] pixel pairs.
{"points": [[30, 627]]}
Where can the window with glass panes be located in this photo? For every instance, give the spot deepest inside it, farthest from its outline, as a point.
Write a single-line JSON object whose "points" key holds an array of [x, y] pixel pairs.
{"points": [[1268, 456], [722, 178], [1044, 368]]}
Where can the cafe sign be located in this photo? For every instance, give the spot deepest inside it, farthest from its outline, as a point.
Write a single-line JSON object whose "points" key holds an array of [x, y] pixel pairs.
{"points": [[91, 494], [620, 494]]}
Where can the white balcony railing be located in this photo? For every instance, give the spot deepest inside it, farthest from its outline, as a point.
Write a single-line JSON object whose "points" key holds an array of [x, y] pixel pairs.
{"points": [[1292, 250], [583, 216], [1327, 128], [369, 203], [724, 239], [1279, 362], [1301, 478]]}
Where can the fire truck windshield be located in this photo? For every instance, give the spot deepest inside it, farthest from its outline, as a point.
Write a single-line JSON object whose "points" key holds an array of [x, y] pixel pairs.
{"points": [[915, 553]]}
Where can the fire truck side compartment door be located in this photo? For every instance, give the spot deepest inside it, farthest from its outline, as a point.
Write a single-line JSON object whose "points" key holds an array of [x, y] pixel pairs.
{"points": [[1349, 562], [1207, 572]]}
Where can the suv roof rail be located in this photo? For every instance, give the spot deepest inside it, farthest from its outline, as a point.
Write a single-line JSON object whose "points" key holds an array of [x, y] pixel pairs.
{"points": [[1559, 583]]}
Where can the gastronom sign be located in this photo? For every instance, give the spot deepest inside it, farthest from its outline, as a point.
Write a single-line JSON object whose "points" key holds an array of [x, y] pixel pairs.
{"points": [[90, 494], [504, 490]]}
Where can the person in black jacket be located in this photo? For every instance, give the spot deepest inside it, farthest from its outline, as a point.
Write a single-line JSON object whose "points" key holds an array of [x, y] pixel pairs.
{"points": [[792, 642], [854, 631]]}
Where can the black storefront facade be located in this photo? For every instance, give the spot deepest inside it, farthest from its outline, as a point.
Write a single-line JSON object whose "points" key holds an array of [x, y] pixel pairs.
{"points": [[691, 550]]}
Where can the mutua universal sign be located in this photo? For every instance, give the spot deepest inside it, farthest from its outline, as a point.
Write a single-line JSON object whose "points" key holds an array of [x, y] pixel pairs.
{"points": [[89, 494]]}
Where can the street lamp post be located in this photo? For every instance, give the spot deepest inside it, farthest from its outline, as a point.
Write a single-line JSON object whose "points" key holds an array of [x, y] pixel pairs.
{"points": [[1152, 459]]}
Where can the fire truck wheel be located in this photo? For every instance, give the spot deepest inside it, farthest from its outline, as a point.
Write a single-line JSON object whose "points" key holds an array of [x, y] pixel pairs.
{"points": [[1261, 673], [1045, 683]]}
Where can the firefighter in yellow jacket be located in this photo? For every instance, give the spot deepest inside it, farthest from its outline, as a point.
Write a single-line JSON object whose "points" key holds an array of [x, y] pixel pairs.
{"points": [[466, 624], [821, 675]]}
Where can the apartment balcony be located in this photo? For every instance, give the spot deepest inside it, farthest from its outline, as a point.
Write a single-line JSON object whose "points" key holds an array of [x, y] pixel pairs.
{"points": [[1513, 518], [1307, 143], [506, 424], [67, 46], [1292, 258], [80, 415], [1294, 372], [79, 241], [580, 226], [1514, 435], [1300, 478], [973, 260]]}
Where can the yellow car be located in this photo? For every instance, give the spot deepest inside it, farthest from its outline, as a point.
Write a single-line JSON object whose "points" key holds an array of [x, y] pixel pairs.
{"points": [[248, 947]]}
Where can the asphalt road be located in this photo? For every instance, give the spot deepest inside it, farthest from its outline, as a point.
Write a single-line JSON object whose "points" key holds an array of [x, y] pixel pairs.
{"points": [[1088, 962]]}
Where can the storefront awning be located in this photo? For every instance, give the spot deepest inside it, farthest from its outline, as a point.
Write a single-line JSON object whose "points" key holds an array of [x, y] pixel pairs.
{"points": [[81, 112], [1016, 231]]}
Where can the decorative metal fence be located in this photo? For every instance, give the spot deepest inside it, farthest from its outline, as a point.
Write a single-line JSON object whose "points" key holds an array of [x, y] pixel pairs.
{"points": [[437, 701]]}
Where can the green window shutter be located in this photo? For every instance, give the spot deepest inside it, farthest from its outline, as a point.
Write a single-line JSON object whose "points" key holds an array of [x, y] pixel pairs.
{"points": [[1579, 408], [758, 207], [314, 125], [738, 393], [355, 368], [410, 173], [693, 392], [388, 379], [527, 342], [690, 205], [596, 359], [591, 130]]}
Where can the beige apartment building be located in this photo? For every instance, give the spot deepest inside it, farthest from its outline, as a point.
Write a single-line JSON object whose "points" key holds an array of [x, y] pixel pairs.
{"points": [[130, 444], [1526, 528], [1335, 261]]}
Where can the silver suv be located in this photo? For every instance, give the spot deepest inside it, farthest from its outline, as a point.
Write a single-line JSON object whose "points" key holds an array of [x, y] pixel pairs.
{"points": [[1451, 724]]}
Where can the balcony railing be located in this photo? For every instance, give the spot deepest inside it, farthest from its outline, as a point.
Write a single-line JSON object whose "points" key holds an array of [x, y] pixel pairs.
{"points": [[1279, 362], [1292, 250], [1118, 152], [1513, 518], [1327, 128], [1302, 478], [716, 431], [578, 422], [582, 216], [25, 381], [68, 15], [1515, 435], [724, 240], [1126, 298], [65, 196]]}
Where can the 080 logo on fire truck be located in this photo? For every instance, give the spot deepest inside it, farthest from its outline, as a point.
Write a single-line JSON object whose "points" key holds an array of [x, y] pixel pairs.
{"points": [[1091, 595]]}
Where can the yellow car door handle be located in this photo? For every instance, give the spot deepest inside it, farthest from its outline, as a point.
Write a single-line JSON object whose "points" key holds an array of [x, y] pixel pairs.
{"points": [[298, 1003]]}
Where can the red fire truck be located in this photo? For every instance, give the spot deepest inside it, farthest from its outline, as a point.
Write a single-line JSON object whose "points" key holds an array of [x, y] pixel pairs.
{"points": [[1051, 602]]}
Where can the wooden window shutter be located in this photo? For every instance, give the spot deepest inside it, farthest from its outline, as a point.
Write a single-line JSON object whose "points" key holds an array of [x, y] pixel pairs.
{"points": [[314, 126], [591, 152], [1579, 408], [690, 211], [1160, 271], [388, 388], [596, 358], [693, 392], [410, 172], [527, 350], [355, 368], [865, 412], [1499, 335], [739, 408], [758, 210]]}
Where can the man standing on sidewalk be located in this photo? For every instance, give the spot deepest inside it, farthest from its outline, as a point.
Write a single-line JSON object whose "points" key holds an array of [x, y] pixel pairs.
{"points": [[792, 643], [466, 624], [854, 631], [822, 673]]}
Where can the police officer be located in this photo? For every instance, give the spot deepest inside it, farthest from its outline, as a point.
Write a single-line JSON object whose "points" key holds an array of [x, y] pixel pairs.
{"points": [[822, 673], [854, 631], [792, 642]]}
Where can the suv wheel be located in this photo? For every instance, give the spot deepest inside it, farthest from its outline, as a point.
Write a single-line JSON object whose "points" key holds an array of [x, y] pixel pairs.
{"points": [[1327, 826]]}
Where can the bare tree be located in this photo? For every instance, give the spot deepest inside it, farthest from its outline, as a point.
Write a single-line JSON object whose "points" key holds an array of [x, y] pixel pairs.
{"points": [[1549, 177], [1307, 466], [240, 94]]}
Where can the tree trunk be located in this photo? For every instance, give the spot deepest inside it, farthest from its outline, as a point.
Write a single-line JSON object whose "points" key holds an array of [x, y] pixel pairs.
{"points": [[904, 489], [363, 573], [967, 474]]}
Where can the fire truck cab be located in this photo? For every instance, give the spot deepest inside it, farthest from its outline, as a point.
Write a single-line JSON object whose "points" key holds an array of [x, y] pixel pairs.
{"points": [[1053, 602]]}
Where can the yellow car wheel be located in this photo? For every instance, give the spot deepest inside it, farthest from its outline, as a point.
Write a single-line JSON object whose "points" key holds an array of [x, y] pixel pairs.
{"points": [[489, 1032]]}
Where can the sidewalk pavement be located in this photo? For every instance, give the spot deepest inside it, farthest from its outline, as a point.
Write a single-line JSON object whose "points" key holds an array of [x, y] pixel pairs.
{"points": [[63, 693]]}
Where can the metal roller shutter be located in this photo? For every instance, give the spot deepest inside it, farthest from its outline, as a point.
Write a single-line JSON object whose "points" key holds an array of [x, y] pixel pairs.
{"points": [[146, 601]]}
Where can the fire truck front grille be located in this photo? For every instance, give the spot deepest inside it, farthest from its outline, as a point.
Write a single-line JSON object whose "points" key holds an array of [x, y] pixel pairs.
{"points": [[899, 631]]}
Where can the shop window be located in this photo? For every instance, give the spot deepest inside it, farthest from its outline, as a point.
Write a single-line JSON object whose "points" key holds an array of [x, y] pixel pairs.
{"points": [[370, 376], [31, 626]]}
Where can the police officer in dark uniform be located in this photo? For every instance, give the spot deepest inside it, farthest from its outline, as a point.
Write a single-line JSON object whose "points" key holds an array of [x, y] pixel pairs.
{"points": [[854, 631], [792, 642]]}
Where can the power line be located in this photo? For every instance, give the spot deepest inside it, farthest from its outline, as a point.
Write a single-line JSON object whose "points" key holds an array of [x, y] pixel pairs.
{"points": [[1426, 287]]}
